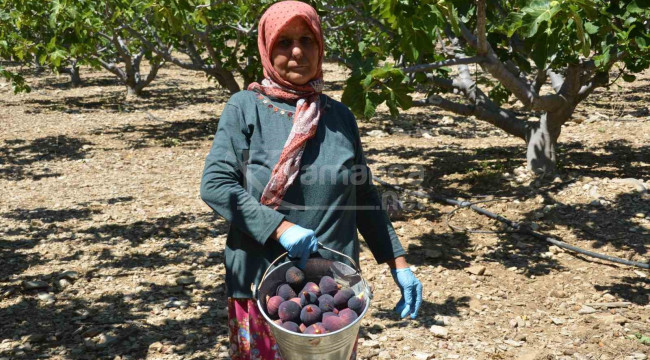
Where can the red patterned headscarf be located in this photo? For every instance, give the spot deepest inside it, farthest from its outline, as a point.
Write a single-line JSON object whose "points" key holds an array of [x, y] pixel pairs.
{"points": [[307, 114]]}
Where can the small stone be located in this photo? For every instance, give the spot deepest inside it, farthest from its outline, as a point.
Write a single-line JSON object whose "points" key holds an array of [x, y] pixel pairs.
{"points": [[376, 133], [513, 343], [33, 338], [156, 347], [637, 356], [70, 275], [439, 331], [418, 355], [557, 321], [558, 294], [609, 297], [639, 215], [104, 340], [476, 270], [92, 332], [520, 337], [64, 283], [447, 120], [371, 344], [35, 284], [185, 280], [586, 310], [546, 255], [46, 297]]}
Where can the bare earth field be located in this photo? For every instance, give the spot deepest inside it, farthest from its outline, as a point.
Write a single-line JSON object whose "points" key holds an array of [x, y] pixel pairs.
{"points": [[108, 252]]}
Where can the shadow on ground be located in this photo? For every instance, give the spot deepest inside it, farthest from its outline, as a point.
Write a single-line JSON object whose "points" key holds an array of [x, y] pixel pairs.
{"points": [[38, 327], [18, 157], [112, 101]]}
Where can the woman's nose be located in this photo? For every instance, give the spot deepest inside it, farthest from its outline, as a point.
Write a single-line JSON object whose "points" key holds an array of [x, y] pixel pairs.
{"points": [[296, 51]]}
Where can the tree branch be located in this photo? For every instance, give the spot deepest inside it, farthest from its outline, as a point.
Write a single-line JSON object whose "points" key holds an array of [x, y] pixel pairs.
{"points": [[556, 80], [500, 118], [444, 63], [540, 79], [111, 67], [525, 93], [481, 19], [361, 16], [598, 80], [155, 65], [164, 53]]}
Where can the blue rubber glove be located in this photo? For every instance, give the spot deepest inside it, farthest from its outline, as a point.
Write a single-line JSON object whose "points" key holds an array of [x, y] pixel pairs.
{"points": [[411, 289], [300, 243]]}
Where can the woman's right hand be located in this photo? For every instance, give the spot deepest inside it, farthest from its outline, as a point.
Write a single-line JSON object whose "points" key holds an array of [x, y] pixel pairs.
{"points": [[299, 243]]}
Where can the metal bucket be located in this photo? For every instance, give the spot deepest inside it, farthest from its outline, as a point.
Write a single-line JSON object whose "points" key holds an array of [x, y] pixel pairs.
{"points": [[337, 345]]}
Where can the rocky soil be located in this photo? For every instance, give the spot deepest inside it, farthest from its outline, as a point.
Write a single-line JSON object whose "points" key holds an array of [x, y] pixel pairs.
{"points": [[108, 252]]}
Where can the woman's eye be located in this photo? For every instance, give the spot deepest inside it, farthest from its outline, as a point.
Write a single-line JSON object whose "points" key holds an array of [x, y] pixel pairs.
{"points": [[284, 43], [306, 40]]}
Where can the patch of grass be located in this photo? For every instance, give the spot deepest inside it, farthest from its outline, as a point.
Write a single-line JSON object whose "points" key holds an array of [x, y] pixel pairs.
{"points": [[170, 142], [488, 172], [641, 338]]}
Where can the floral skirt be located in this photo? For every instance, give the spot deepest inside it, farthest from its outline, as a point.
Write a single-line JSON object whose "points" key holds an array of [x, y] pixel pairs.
{"points": [[250, 335]]}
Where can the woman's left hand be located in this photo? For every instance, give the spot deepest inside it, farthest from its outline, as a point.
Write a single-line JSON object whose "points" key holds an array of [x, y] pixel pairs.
{"points": [[411, 290]]}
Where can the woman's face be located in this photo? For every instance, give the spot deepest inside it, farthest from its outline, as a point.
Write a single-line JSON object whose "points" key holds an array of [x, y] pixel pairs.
{"points": [[295, 53]]}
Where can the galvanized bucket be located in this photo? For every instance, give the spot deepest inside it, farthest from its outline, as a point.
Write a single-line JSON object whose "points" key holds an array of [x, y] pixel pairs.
{"points": [[337, 345]]}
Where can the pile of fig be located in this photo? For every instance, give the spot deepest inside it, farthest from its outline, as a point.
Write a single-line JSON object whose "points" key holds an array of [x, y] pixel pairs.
{"points": [[310, 308]]}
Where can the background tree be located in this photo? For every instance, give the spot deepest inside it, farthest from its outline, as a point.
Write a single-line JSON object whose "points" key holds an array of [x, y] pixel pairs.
{"points": [[103, 39], [218, 38], [31, 35], [548, 55]]}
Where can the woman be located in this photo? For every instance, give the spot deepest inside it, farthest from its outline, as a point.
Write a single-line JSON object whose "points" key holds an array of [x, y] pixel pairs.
{"points": [[287, 171]]}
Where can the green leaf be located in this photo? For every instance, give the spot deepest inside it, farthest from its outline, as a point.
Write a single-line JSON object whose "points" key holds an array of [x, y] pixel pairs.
{"points": [[584, 41], [513, 22], [628, 77], [368, 82], [537, 13], [372, 101], [590, 28]]}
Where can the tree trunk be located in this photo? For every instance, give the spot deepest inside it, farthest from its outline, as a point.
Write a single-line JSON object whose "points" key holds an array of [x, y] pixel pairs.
{"points": [[133, 90], [75, 79], [541, 141], [227, 80], [38, 67], [73, 71]]}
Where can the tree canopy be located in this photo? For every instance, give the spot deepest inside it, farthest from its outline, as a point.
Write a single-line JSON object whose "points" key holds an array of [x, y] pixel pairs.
{"points": [[538, 59]]}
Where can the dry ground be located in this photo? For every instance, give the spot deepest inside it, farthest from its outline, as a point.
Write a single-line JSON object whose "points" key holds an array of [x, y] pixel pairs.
{"points": [[100, 215]]}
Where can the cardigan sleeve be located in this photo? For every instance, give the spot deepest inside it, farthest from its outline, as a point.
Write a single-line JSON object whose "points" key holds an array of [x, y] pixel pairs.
{"points": [[221, 184], [372, 220]]}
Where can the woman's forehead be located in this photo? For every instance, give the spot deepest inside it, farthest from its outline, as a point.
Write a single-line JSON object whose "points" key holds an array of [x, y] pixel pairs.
{"points": [[295, 27]]}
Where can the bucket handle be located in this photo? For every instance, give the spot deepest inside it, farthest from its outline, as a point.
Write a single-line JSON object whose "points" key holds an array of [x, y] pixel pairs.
{"points": [[320, 246]]}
